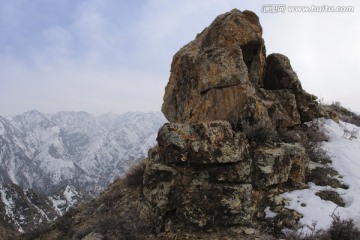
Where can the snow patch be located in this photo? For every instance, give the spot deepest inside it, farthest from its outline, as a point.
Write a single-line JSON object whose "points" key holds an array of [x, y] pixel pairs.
{"points": [[345, 159], [269, 213]]}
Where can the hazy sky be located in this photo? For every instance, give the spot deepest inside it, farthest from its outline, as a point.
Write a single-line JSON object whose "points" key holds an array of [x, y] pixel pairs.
{"points": [[115, 55]]}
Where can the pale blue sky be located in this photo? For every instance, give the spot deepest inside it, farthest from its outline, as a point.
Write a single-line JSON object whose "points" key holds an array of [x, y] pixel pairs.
{"points": [[115, 55]]}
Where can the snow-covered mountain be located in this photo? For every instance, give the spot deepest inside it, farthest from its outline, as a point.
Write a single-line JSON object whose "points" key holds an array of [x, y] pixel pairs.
{"points": [[24, 210], [49, 152]]}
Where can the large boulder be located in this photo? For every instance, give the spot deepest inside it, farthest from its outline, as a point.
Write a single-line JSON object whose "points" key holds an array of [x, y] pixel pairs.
{"points": [[211, 76], [224, 75]]}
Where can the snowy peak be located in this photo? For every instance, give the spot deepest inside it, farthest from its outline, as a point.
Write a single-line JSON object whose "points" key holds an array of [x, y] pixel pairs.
{"points": [[30, 120]]}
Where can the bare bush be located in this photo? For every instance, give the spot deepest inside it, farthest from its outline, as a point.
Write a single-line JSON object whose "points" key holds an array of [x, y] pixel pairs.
{"points": [[351, 134], [355, 119], [336, 104], [343, 229], [313, 142], [135, 175], [260, 132], [340, 229]]}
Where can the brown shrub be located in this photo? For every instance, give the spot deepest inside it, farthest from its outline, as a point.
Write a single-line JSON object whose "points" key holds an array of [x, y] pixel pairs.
{"points": [[340, 229], [343, 229], [135, 175], [312, 142], [260, 132]]}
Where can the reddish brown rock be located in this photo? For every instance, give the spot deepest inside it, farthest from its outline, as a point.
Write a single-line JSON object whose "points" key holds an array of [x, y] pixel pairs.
{"points": [[223, 75], [211, 77]]}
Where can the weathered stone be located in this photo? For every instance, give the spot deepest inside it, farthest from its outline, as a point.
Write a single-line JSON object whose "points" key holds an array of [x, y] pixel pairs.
{"points": [[93, 236], [158, 185], [287, 219], [280, 75], [283, 111], [330, 195], [249, 231], [154, 154], [239, 172], [211, 142], [206, 205], [220, 75], [279, 164], [291, 136], [211, 77]]}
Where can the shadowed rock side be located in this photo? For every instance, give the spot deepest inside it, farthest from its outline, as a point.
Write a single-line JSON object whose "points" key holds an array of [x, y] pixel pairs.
{"points": [[224, 75]]}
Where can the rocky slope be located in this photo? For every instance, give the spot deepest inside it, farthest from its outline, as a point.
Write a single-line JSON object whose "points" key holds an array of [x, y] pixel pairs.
{"points": [[235, 142]]}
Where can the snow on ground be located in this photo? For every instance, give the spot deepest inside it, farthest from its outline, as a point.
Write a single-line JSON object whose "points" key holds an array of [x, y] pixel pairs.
{"points": [[62, 202], [345, 155], [9, 205]]}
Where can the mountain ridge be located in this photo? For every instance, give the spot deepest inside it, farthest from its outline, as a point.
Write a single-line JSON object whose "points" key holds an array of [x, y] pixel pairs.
{"points": [[73, 145], [65, 158]]}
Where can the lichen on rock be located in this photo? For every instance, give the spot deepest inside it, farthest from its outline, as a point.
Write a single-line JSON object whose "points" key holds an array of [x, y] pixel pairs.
{"points": [[224, 75], [206, 171]]}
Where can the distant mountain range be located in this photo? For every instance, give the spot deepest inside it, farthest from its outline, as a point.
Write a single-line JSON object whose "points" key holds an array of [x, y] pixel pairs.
{"points": [[65, 157]]}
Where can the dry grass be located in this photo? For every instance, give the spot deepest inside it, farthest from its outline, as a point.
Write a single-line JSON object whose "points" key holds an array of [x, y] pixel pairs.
{"points": [[340, 229]]}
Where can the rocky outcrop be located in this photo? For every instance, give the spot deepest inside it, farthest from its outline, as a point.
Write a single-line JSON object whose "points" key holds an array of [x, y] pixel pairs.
{"points": [[224, 75], [206, 171], [202, 174]]}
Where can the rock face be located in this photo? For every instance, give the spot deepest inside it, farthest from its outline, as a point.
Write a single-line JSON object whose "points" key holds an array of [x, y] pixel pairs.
{"points": [[279, 75], [206, 171], [224, 75], [203, 174], [202, 143]]}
